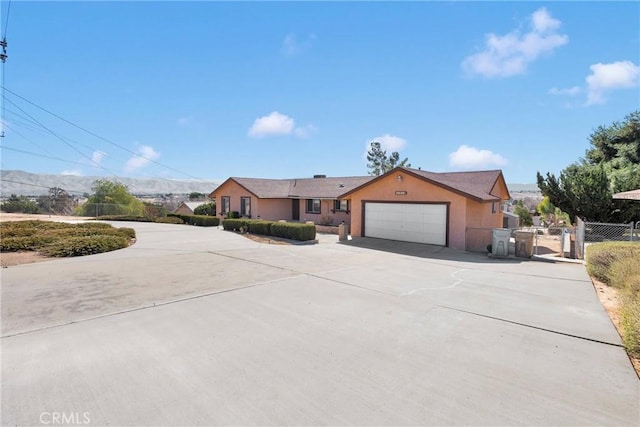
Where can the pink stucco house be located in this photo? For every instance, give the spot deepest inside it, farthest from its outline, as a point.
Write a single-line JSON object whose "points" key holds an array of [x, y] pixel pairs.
{"points": [[403, 204], [303, 199], [426, 207]]}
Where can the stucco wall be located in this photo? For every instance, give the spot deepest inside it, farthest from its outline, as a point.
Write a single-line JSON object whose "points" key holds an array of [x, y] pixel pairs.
{"points": [[326, 206], [274, 209], [417, 191]]}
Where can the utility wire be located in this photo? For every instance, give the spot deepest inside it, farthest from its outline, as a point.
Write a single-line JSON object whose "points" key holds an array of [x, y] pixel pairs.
{"points": [[98, 136], [40, 186], [3, 58], [4, 147], [65, 142], [6, 21], [27, 139]]}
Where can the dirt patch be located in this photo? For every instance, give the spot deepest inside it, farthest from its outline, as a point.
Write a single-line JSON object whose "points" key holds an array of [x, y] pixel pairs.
{"points": [[23, 217], [265, 239], [8, 259], [612, 303]]}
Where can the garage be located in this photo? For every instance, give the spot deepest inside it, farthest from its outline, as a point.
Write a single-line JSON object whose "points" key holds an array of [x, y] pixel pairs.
{"points": [[407, 222]]}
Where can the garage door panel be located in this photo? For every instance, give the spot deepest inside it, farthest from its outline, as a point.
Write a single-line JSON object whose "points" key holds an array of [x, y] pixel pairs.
{"points": [[420, 223]]}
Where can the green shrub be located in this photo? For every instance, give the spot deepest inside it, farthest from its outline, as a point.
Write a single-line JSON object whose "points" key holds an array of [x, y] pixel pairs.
{"points": [[131, 218], [84, 245], [294, 231], [51, 237], [235, 224], [208, 209], [169, 220], [233, 215], [601, 257], [200, 220], [630, 321], [623, 270], [25, 243], [260, 227]]}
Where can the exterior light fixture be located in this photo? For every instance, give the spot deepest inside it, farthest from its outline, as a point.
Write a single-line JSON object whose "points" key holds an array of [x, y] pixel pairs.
{"points": [[399, 178]]}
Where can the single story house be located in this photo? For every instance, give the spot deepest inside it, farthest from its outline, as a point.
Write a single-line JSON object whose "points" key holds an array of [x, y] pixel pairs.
{"points": [[425, 207], [303, 199], [187, 208]]}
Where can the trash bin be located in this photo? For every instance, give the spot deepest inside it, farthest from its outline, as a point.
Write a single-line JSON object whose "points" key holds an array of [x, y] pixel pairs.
{"points": [[524, 244], [500, 241]]}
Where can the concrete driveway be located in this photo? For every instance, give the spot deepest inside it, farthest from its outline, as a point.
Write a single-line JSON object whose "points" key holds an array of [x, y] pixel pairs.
{"points": [[197, 326]]}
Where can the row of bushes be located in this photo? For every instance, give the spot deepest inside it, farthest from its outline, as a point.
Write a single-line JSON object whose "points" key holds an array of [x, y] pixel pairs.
{"points": [[200, 220], [61, 240], [287, 230], [617, 264]]}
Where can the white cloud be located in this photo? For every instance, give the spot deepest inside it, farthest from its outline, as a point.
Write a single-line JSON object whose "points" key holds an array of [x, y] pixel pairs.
{"points": [[273, 124], [145, 156], [389, 143], [73, 172], [466, 157], [570, 91], [510, 54], [292, 46], [96, 158], [305, 131], [608, 77]]}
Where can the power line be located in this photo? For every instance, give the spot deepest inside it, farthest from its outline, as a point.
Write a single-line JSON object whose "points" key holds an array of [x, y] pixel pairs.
{"points": [[6, 21], [98, 136], [40, 186], [65, 142], [4, 147]]}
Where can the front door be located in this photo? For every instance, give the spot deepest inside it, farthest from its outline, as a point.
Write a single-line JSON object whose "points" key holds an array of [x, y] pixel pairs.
{"points": [[295, 209]]}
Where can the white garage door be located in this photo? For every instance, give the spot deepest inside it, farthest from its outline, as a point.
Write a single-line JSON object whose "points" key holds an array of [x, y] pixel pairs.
{"points": [[407, 222]]}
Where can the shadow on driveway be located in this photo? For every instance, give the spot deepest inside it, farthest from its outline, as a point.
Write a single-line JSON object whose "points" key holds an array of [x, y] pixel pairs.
{"points": [[427, 251]]}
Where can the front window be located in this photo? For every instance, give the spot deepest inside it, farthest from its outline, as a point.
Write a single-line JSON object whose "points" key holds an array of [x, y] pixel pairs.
{"points": [[245, 206], [494, 207], [313, 206], [341, 205], [226, 205]]}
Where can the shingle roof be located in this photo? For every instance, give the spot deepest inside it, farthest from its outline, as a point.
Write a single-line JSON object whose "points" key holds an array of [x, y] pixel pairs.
{"points": [[304, 188], [477, 185]]}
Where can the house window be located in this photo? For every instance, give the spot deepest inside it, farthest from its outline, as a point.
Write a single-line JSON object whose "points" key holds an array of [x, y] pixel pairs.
{"points": [[341, 205], [494, 207], [313, 206], [226, 205], [245, 206]]}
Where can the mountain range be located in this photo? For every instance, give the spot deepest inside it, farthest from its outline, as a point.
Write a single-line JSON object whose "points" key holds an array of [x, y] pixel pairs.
{"points": [[33, 184]]}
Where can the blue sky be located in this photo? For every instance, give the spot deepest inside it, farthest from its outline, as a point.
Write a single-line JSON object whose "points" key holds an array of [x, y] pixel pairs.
{"points": [[291, 89]]}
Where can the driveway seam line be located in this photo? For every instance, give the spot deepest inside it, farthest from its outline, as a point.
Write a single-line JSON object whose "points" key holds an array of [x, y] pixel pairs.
{"points": [[531, 326]]}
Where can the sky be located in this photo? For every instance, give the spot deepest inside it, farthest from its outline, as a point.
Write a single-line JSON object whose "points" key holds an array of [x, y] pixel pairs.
{"points": [[213, 89]]}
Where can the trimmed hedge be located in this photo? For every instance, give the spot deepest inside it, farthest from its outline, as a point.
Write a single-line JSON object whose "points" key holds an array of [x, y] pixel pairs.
{"points": [[287, 230], [84, 245], [199, 220], [168, 220], [131, 218], [62, 239], [232, 224]]}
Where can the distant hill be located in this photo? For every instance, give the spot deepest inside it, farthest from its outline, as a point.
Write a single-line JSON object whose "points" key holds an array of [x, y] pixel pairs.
{"points": [[33, 184]]}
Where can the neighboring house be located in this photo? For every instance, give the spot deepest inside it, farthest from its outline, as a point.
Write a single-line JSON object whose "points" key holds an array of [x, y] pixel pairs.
{"points": [[304, 199], [187, 208], [511, 220], [424, 207]]}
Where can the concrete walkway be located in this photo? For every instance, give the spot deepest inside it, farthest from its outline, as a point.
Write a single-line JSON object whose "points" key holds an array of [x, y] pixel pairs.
{"points": [[197, 326]]}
